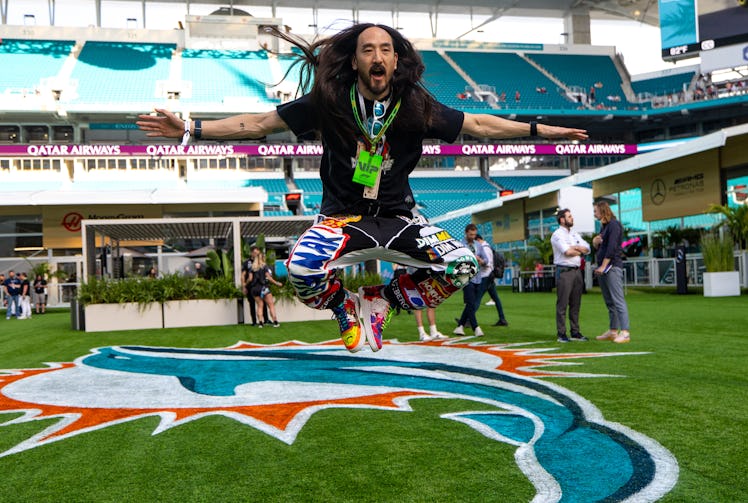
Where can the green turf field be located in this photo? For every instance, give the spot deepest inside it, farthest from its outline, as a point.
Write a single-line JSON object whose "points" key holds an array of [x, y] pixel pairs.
{"points": [[689, 392]]}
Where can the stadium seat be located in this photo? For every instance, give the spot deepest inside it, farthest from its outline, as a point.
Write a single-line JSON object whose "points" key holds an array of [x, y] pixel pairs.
{"points": [[120, 72], [25, 63]]}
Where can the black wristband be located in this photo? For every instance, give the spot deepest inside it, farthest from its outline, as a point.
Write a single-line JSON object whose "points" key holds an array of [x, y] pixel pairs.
{"points": [[533, 129], [199, 129]]}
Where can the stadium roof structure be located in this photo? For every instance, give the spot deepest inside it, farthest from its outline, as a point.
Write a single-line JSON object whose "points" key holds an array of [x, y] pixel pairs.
{"points": [[732, 135], [640, 10], [159, 229]]}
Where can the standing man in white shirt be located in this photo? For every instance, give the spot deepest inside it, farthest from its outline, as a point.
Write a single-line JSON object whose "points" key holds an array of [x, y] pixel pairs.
{"points": [[568, 248]]}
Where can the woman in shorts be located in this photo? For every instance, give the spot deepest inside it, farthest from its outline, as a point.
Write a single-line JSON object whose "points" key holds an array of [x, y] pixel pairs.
{"points": [[259, 277]]}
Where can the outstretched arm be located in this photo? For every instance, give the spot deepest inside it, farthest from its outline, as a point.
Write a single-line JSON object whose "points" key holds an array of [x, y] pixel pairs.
{"points": [[490, 126], [237, 127]]}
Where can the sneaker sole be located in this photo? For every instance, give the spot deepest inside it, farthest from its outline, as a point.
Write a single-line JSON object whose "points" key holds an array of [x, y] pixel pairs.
{"points": [[361, 339], [364, 310]]}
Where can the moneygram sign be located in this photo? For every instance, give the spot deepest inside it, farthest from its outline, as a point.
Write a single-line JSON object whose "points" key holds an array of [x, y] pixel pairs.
{"points": [[302, 150]]}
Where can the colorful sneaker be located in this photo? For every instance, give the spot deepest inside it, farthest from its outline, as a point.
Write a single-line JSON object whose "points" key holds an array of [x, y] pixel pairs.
{"points": [[350, 329], [376, 312]]}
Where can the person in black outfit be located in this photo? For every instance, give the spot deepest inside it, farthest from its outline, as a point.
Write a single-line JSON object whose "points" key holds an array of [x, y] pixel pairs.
{"points": [[369, 106], [246, 266], [40, 294], [259, 275]]}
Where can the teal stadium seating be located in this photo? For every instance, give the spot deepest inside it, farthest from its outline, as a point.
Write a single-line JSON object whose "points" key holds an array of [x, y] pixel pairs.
{"points": [[437, 196], [660, 86], [445, 83], [216, 74], [25, 62], [584, 71], [508, 73], [312, 188], [522, 183], [120, 72]]}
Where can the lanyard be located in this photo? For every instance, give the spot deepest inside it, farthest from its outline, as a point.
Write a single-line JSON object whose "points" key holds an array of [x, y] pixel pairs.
{"points": [[375, 140]]}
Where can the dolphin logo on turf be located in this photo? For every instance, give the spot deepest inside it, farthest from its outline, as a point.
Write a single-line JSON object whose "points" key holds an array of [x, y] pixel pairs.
{"points": [[564, 446]]}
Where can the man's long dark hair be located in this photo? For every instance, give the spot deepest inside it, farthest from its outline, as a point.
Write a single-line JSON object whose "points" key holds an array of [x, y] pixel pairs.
{"points": [[327, 70]]}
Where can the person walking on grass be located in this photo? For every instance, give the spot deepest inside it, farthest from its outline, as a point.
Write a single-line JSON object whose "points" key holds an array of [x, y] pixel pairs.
{"points": [[488, 281], [369, 106], [609, 273], [568, 250], [471, 290]]}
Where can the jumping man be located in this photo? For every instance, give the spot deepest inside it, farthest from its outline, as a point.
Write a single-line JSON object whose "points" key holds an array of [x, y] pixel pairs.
{"points": [[372, 112]]}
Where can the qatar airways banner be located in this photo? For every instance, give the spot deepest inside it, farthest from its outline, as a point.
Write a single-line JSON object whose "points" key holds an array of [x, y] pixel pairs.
{"points": [[294, 150]]}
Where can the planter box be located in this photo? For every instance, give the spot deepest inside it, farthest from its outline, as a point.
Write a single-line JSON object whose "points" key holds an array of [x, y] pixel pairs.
{"points": [[292, 310], [127, 316], [722, 284], [200, 313]]}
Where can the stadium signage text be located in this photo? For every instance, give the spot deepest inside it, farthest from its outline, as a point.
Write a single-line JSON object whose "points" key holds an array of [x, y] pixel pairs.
{"points": [[304, 150]]}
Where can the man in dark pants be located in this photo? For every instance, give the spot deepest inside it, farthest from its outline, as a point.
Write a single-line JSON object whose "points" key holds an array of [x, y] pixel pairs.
{"points": [[568, 249], [488, 284], [471, 290]]}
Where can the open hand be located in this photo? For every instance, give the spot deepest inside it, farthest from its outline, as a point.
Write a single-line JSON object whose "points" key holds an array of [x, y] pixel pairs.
{"points": [[166, 124], [558, 132]]}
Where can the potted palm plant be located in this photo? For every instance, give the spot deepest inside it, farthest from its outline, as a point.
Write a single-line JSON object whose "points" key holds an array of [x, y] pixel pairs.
{"points": [[720, 279]]}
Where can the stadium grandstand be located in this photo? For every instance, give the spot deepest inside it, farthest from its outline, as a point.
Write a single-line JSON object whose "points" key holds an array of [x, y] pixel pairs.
{"points": [[69, 95]]}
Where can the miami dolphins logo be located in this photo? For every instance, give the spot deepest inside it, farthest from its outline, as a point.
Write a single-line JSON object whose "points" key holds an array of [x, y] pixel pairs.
{"points": [[564, 446]]}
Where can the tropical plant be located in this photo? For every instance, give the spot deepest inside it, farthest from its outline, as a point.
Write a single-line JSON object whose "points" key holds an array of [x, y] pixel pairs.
{"points": [[736, 220], [45, 271], [526, 259], [544, 247], [355, 281], [147, 290], [219, 264], [285, 291], [718, 252]]}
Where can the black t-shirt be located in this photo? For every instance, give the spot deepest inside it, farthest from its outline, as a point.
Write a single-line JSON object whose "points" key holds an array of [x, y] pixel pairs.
{"points": [[40, 285], [259, 277], [401, 151]]}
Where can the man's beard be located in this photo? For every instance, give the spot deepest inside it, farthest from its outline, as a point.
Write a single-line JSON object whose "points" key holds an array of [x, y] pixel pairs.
{"points": [[375, 89]]}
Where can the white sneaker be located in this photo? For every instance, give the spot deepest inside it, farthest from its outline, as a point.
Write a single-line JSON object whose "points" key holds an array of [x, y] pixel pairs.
{"points": [[424, 337], [439, 336], [490, 303], [21, 318], [478, 332], [459, 330]]}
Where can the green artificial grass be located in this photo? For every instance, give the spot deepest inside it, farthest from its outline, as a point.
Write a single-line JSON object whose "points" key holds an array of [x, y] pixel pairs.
{"points": [[688, 393]]}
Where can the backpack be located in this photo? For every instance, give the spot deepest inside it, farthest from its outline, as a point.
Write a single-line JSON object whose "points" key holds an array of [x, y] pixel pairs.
{"points": [[499, 263]]}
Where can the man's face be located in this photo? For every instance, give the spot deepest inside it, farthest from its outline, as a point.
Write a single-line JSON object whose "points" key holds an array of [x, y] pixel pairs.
{"points": [[470, 235], [375, 61], [568, 220], [11, 274]]}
